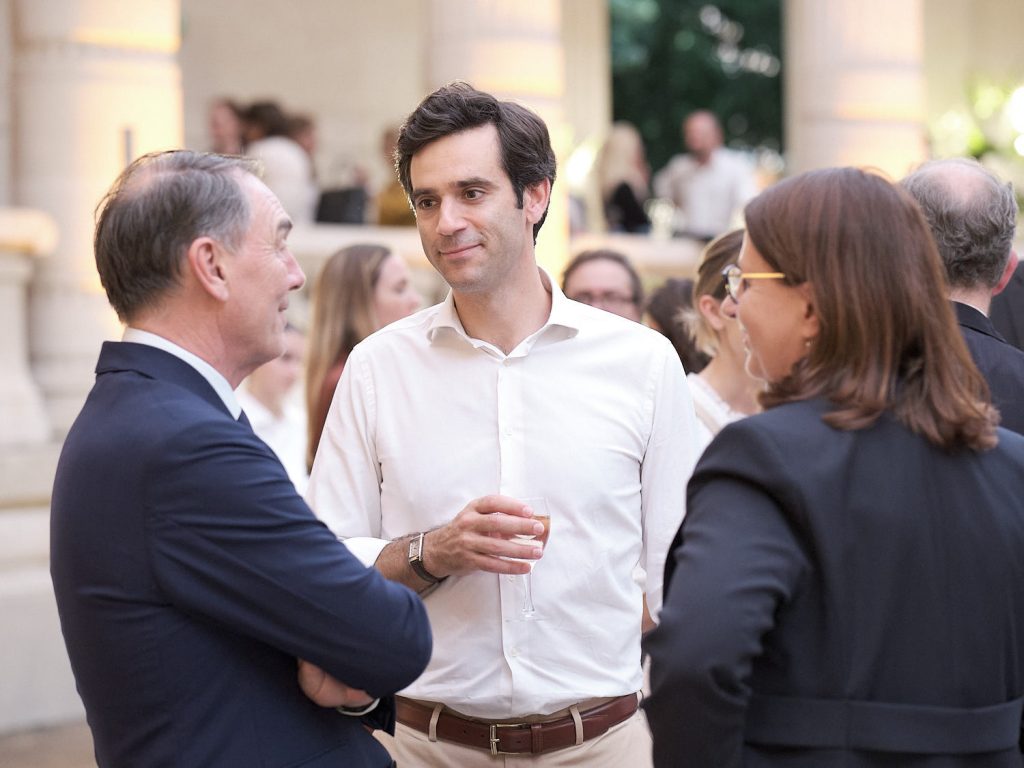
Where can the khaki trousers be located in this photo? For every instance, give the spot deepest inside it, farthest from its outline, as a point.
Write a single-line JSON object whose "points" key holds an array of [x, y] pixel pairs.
{"points": [[626, 745]]}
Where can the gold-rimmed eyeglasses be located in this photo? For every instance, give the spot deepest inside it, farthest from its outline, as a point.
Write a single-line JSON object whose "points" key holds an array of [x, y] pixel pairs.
{"points": [[735, 279]]}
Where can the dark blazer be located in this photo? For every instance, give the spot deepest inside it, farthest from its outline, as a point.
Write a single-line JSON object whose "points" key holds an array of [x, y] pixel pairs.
{"points": [[1008, 309], [843, 598], [190, 577], [1000, 363]]}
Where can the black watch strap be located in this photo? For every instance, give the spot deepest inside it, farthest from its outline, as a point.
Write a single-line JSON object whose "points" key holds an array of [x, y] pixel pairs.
{"points": [[416, 560]]}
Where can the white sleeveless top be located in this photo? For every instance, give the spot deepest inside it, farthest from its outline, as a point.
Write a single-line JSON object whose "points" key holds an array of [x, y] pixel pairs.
{"points": [[713, 412]]}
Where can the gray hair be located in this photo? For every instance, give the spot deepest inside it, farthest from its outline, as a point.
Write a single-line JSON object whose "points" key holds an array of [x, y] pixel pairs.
{"points": [[157, 207], [972, 215]]}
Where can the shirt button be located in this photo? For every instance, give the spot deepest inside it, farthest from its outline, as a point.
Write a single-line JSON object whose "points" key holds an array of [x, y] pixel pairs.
{"points": [[507, 362], [513, 651]]}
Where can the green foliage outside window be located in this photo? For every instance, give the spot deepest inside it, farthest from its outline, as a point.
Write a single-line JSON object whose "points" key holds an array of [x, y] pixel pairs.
{"points": [[670, 57]]}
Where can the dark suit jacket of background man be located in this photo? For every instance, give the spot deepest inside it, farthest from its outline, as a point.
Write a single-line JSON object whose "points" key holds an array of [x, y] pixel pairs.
{"points": [[1007, 312], [1000, 363], [190, 577]]}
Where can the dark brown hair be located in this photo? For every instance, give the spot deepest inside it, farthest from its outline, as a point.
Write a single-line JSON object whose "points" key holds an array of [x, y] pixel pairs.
{"points": [[887, 337], [526, 153], [156, 208], [669, 305]]}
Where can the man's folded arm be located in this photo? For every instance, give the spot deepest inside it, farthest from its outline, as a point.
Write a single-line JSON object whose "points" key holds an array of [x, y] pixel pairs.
{"points": [[236, 545]]}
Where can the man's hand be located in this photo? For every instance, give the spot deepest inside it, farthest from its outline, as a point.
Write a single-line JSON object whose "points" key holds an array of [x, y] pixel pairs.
{"points": [[478, 539], [325, 691], [481, 536]]}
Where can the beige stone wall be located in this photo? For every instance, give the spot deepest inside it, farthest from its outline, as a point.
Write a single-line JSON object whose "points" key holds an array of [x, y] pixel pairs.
{"points": [[966, 40], [5, 102], [354, 66], [854, 84], [357, 67]]}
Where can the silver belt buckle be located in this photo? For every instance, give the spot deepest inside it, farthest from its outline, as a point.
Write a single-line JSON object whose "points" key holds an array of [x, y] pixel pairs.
{"points": [[496, 740]]}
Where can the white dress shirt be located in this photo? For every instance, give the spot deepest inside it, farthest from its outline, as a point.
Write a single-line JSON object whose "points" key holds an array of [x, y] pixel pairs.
{"points": [[709, 198], [212, 375], [592, 413]]}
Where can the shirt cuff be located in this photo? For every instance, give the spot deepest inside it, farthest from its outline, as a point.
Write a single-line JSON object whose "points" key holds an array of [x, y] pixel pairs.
{"points": [[365, 548], [358, 711]]}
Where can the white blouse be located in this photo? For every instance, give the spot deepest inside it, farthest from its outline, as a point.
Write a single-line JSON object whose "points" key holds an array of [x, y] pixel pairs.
{"points": [[713, 412]]}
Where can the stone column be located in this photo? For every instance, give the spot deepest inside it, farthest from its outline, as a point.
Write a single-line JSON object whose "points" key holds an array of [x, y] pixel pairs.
{"points": [[23, 235], [6, 43], [96, 83], [515, 51], [854, 84]]}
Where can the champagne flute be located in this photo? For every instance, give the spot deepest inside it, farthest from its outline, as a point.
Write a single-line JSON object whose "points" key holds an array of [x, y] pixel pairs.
{"points": [[541, 514]]}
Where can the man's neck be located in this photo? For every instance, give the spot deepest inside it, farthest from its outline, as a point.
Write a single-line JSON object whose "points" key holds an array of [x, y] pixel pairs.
{"points": [[506, 316], [726, 377], [189, 336], [979, 298], [704, 158]]}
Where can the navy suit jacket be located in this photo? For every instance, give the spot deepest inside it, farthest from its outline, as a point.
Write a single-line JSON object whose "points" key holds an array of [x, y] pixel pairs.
{"points": [[190, 576], [843, 598], [1008, 309], [1000, 363]]}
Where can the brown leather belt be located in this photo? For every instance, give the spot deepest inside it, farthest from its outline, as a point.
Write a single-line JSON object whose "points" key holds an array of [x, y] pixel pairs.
{"points": [[516, 738]]}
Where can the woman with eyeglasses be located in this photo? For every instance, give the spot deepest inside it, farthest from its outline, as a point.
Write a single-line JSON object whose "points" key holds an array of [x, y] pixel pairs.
{"points": [[847, 588], [723, 391]]}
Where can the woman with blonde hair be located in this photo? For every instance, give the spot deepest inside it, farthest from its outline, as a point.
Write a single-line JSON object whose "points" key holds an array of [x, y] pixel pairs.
{"points": [[723, 391], [360, 289], [847, 588], [623, 177]]}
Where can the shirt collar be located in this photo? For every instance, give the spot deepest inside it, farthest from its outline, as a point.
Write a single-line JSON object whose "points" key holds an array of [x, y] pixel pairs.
{"points": [[563, 322], [212, 375]]}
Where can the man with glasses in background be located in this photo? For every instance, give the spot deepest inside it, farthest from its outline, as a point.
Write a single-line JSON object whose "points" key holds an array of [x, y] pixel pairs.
{"points": [[605, 279]]}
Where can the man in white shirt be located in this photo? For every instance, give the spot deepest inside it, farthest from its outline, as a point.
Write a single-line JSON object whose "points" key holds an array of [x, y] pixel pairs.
{"points": [[508, 391], [709, 185]]}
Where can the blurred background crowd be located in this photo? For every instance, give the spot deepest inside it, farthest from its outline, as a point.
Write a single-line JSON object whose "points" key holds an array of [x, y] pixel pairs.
{"points": [[667, 115]]}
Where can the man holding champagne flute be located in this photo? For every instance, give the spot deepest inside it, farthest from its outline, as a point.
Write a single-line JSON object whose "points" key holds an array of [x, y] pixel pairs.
{"points": [[514, 397]]}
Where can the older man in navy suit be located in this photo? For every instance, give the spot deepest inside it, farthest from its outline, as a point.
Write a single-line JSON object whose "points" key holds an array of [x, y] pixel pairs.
{"points": [[973, 217], [210, 619], [1008, 310]]}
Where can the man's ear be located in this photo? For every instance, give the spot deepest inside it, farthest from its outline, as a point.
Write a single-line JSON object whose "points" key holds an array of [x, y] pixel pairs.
{"points": [[535, 200], [205, 258], [1011, 267]]}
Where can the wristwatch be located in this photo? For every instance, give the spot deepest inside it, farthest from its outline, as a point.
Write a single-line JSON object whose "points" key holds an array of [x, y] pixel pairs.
{"points": [[416, 561]]}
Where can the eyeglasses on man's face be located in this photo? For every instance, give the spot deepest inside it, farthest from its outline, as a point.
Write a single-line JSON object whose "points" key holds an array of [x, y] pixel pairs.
{"points": [[608, 300], [736, 279]]}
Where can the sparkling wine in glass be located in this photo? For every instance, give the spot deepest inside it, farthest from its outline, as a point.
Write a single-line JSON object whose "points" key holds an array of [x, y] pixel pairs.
{"points": [[541, 515]]}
